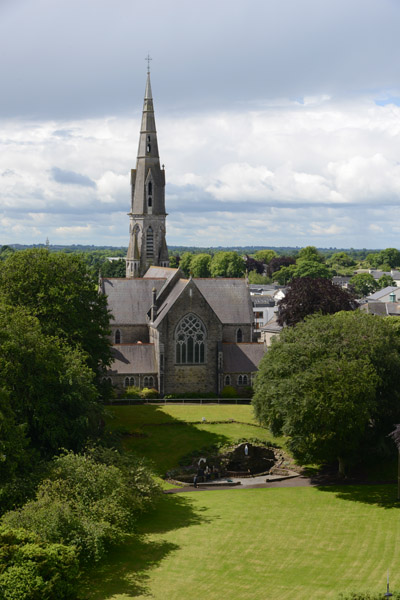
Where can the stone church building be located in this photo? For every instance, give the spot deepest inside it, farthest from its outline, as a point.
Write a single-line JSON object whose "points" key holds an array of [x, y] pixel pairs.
{"points": [[174, 334]]}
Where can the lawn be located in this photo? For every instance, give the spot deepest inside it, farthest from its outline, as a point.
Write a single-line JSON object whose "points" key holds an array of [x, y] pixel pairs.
{"points": [[261, 544], [171, 432]]}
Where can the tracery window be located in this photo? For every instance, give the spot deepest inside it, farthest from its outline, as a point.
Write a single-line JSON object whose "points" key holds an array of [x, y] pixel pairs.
{"points": [[190, 337]]}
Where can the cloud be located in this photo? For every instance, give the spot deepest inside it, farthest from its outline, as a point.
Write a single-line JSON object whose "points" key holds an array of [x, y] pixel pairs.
{"points": [[323, 173], [71, 178]]}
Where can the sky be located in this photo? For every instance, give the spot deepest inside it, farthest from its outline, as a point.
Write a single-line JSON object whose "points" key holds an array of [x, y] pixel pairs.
{"points": [[278, 121]]}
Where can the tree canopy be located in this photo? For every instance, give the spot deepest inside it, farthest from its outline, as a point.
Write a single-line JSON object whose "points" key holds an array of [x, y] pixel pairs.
{"points": [[363, 284], [58, 289], [265, 256], [227, 264], [200, 265], [49, 385], [332, 385], [306, 296], [276, 263]]}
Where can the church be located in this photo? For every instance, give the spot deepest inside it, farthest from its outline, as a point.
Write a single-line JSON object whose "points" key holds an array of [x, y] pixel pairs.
{"points": [[171, 333]]}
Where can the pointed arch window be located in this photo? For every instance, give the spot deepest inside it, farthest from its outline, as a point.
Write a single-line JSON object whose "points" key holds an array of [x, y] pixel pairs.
{"points": [[149, 242], [148, 148], [129, 381], [242, 380], [148, 382], [228, 380], [117, 337], [239, 336], [190, 338]]}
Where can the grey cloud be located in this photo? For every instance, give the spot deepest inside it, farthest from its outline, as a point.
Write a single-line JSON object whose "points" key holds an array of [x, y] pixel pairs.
{"points": [[274, 49], [71, 178]]}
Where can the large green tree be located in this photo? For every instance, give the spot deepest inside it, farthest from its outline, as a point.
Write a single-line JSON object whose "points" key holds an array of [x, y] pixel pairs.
{"points": [[200, 265], [332, 385], [49, 384], [265, 256], [363, 284], [58, 289], [227, 264]]}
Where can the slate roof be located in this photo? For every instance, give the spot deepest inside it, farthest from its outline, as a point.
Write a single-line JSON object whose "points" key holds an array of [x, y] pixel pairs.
{"points": [[170, 300], [382, 309], [229, 299], [381, 293], [163, 272], [272, 326], [242, 358], [130, 299], [262, 301], [133, 359]]}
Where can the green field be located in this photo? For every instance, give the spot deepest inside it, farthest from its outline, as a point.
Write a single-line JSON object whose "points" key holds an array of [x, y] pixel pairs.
{"points": [[261, 544], [174, 431]]}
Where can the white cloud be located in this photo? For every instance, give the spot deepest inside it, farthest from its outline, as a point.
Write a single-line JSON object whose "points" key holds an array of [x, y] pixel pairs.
{"points": [[324, 172]]}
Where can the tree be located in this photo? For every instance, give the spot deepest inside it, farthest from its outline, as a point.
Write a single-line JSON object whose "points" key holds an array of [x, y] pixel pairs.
{"points": [[13, 441], [200, 265], [275, 264], [385, 281], [254, 265], [174, 260], [265, 256], [113, 268], [310, 253], [89, 501], [284, 275], [227, 264], [332, 385], [306, 296], [390, 256], [49, 384], [310, 268], [32, 569], [363, 284], [185, 263], [59, 291], [255, 278], [341, 259]]}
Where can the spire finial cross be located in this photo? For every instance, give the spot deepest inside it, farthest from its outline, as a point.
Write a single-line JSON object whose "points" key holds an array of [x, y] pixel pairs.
{"points": [[148, 58]]}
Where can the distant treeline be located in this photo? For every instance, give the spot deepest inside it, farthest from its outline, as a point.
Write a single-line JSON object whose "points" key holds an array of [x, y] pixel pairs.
{"points": [[110, 251]]}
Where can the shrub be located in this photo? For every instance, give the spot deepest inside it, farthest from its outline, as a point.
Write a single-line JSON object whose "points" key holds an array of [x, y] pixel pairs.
{"points": [[148, 393], [89, 501], [132, 392], [32, 569], [193, 395], [229, 392]]}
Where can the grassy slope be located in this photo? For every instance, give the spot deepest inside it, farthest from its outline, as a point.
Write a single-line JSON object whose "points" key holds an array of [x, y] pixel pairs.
{"points": [[301, 543], [165, 444]]}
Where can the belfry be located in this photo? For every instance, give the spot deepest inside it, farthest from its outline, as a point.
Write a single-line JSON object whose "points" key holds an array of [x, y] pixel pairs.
{"points": [[147, 244]]}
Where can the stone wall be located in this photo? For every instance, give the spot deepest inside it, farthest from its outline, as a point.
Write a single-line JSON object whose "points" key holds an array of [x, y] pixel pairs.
{"points": [[229, 333], [131, 334], [180, 378]]}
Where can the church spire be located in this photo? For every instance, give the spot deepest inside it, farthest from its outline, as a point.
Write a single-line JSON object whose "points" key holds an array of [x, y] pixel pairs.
{"points": [[147, 245]]}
